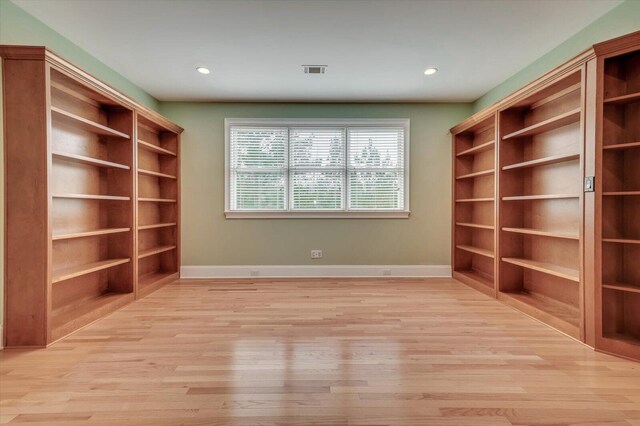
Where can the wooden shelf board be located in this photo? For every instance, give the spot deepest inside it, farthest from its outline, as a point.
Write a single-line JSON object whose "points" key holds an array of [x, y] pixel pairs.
{"points": [[621, 240], [89, 160], [476, 280], [477, 149], [155, 250], [156, 174], [540, 197], [149, 283], [97, 232], [622, 287], [75, 120], [558, 315], [621, 193], [156, 225], [545, 267], [540, 233], [624, 99], [157, 200], [477, 276], [476, 250], [476, 174], [475, 225], [474, 200], [622, 146], [92, 197], [155, 148], [625, 338], [88, 268], [547, 125], [85, 313], [543, 161]]}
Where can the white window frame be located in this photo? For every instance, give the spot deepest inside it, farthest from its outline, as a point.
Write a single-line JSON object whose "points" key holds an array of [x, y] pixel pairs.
{"points": [[314, 214]]}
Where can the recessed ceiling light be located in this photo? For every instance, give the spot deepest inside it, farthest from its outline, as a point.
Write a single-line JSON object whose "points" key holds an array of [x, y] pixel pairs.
{"points": [[203, 70], [430, 71]]}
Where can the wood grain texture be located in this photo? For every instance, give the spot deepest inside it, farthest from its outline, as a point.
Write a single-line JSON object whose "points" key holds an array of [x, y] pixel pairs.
{"points": [[317, 352]]}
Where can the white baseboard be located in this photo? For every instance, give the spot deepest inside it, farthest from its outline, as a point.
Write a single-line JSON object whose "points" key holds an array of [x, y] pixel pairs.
{"points": [[315, 271]]}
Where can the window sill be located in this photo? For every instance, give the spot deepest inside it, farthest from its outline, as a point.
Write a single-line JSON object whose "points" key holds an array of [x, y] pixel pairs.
{"points": [[317, 215]]}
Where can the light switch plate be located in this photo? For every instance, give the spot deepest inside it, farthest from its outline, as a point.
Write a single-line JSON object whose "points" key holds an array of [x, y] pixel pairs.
{"points": [[589, 184]]}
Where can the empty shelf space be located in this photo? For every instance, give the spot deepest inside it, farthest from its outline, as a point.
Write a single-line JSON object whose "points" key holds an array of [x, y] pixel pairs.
{"points": [[541, 233], [539, 197], [476, 174], [156, 174], [543, 161], [152, 278], [621, 193], [626, 338], [621, 240], [97, 232], [545, 305], [157, 200], [92, 197], [477, 276], [474, 225], [622, 146], [477, 149], [622, 287], [154, 250], [624, 99], [476, 250], [92, 126], [89, 160], [154, 148], [156, 225], [474, 200], [545, 267], [88, 311], [88, 268], [547, 125]]}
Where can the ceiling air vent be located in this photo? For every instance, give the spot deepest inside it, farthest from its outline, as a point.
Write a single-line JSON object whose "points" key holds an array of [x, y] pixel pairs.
{"points": [[314, 69]]}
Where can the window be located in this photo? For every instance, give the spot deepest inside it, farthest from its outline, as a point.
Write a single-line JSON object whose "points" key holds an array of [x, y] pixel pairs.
{"points": [[316, 168]]}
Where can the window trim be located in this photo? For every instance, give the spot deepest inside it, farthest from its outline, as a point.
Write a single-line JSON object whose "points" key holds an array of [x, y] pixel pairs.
{"points": [[314, 214]]}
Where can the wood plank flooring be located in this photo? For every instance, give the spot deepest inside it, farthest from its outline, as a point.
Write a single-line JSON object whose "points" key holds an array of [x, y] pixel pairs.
{"points": [[317, 352]]}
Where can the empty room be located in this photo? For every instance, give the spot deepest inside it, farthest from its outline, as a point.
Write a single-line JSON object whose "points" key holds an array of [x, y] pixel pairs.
{"points": [[320, 212]]}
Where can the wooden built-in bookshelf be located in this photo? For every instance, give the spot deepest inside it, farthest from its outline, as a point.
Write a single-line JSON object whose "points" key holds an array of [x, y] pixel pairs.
{"points": [[567, 198], [70, 196], [474, 159], [158, 254], [618, 227], [541, 204]]}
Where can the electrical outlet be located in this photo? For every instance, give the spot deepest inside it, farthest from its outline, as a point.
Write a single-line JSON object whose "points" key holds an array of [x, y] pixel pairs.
{"points": [[316, 254], [254, 272], [386, 272]]}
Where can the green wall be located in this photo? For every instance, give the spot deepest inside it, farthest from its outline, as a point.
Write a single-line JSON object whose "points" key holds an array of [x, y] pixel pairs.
{"points": [[209, 239], [624, 19], [18, 27]]}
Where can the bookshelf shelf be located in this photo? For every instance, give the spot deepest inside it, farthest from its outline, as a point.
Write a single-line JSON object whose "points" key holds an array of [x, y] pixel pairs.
{"points": [[85, 124]]}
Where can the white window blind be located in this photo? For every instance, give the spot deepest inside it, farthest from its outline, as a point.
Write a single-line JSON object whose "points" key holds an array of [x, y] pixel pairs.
{"points": [[317, 167], [258, 168], [376, 168], [327, 168]]}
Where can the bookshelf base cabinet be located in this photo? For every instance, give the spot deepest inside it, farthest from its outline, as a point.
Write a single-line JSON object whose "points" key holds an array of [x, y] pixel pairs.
{"points": [[72, 221], [564, 254]]}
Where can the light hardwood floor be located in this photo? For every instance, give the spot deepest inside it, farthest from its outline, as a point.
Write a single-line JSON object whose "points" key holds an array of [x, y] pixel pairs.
{"points": [[323, 352]]}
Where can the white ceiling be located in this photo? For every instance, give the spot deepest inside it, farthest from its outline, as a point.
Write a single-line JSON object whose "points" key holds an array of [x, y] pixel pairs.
{"points": [[375, 50]]}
